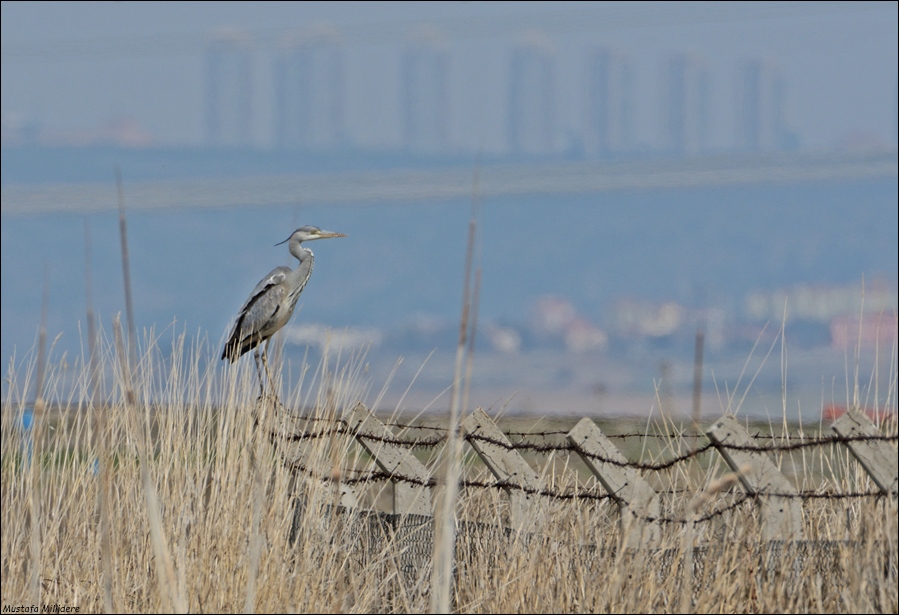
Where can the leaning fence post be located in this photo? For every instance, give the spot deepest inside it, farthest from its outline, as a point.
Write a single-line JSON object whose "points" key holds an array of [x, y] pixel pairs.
{"points": [[781, 516], [411, 497], [297, 447], [637, 501], [495, 449], [877, 457]]}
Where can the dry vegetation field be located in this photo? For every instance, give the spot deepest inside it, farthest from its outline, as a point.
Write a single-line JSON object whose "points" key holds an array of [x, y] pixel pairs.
{"points": [[165, 492]]}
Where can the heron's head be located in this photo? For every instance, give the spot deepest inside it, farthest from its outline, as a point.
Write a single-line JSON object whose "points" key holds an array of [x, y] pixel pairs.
{"points": [[309, 233]]}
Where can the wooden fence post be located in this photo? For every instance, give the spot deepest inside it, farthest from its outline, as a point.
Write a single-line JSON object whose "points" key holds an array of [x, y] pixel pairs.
{"points": [[637, 499], [408, 498], [781, 516], [506, 464], [877, 457]]}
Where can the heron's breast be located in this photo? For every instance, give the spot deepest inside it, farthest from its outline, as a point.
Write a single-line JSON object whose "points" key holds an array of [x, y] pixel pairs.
{"points": [[286, 308], [288, 295]]}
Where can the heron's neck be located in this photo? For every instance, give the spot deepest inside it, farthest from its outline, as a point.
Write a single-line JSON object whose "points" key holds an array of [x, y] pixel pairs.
{"points": [[299, 276], [300, 253], [304, 269]]}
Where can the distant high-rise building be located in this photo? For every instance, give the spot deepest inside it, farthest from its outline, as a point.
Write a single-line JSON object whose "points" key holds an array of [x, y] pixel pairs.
{"points": [[229, 89], [309, 98], [425, 94], [760, 102], [687, 105], [610, 104], [531, 96]]}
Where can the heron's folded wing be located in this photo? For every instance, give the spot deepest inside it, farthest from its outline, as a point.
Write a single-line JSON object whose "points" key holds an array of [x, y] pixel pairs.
{"points": [[275, 277], [256, 312]]}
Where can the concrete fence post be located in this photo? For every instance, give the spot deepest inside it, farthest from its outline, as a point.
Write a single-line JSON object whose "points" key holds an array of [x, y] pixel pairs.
{"points": [[781, 516], [506, 464], [409, 498], [877, 457], [637, 501]]}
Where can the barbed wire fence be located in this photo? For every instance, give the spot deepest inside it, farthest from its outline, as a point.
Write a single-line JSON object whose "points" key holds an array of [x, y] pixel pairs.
{"points": [[619, 481], [864, 440]]}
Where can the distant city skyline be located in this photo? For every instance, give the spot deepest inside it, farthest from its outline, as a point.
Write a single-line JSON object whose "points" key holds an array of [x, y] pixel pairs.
{"points": [[760, 114], [609, 127], [531, 108], [229, 91], [686, 104], [425, 83], [309, 92], [309, 96], [825, 75]]}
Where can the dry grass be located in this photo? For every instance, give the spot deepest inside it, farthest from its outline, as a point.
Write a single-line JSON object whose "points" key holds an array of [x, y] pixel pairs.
{"points": [[201, 511]]}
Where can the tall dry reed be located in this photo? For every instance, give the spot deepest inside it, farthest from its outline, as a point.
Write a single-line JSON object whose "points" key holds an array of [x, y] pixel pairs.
{"points": [[204, 513]]}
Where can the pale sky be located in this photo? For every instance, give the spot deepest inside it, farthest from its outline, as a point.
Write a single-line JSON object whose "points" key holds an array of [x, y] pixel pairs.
{"points": [[73, 67]]}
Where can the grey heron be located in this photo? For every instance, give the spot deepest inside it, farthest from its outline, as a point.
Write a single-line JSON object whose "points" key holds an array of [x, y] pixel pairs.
{"points": [[271, 303]]}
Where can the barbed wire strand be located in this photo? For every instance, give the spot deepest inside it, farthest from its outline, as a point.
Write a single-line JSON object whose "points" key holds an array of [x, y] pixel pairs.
{"points": [[372, 476], [547, 448]]}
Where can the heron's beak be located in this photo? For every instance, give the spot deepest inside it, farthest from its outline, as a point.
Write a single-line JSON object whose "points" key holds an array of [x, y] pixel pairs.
{"points": [[319, 235]]}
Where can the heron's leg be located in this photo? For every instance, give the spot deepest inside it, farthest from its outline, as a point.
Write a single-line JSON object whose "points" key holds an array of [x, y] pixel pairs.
{"points": [[259, 372], [268, 374]]}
